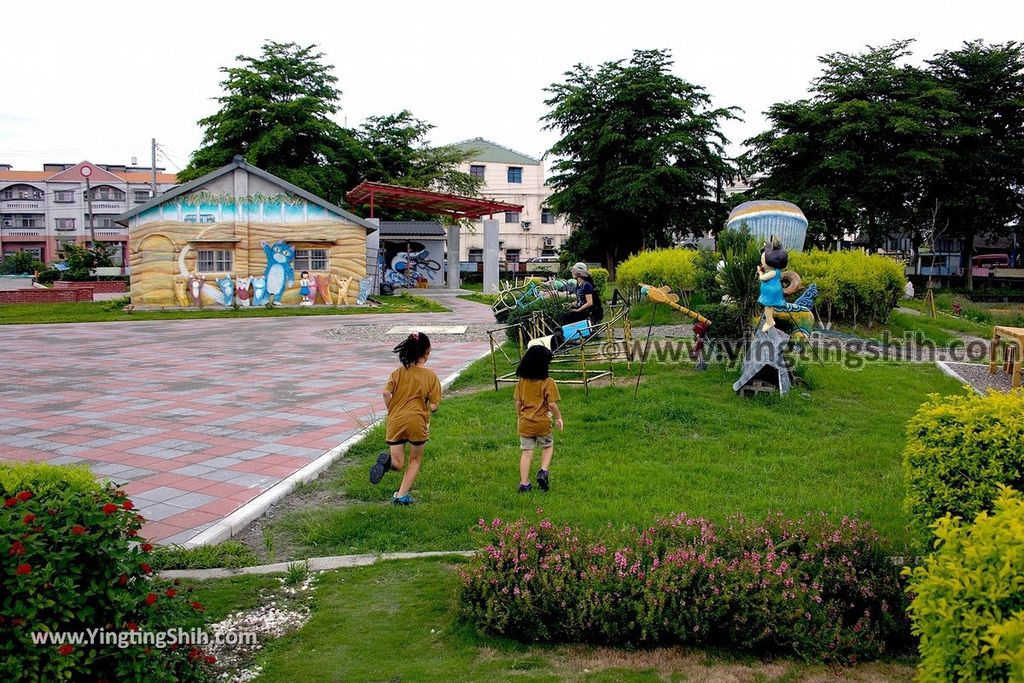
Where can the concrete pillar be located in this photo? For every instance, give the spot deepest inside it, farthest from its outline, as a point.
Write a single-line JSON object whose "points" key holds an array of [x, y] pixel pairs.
{"points": [[372, 252], [490, 256], [454, 275]]}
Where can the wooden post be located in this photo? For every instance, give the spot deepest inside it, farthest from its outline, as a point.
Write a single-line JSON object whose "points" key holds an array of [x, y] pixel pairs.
{"points": [[992, 352]]}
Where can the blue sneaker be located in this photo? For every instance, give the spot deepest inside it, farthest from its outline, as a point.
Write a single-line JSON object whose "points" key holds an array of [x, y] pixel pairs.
{"points": [[403, 500], [542, 480], [382, 466], [525, 488]]}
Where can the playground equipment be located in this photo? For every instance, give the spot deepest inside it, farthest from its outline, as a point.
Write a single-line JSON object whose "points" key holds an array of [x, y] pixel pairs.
{"points": [[583, 355], [512, 296], [664, 295]]}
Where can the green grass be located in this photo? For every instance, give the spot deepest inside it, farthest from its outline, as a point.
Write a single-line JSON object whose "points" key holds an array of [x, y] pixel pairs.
{"points": [[109, 311], [687, 444], [398, 621], [227, 554], [487, 299]]}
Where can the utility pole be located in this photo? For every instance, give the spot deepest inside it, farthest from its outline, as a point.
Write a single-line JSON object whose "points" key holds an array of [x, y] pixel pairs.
{"points": [[153, 165], [88, 201]]}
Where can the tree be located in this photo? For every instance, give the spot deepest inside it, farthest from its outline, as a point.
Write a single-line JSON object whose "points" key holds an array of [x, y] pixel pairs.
{"points": [[641, 156], [276, 112], [982, 185]]}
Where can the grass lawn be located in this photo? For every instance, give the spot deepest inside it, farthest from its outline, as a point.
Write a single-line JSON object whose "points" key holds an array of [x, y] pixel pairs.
{"points": [[941, 331], [486, 299], [398, 621], [108, 311], [687, 444]]}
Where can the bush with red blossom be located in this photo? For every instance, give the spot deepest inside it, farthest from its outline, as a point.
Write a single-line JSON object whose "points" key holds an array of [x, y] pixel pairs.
{"points": [[809, 587], [70, 561]]}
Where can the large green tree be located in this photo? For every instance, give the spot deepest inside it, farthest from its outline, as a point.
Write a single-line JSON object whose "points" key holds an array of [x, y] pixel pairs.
{"points": [[276, 111], [641, 156]]}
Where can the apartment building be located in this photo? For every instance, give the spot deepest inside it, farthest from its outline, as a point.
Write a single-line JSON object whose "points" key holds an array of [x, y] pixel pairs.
{"points": [[510, 176], [40, 209]]}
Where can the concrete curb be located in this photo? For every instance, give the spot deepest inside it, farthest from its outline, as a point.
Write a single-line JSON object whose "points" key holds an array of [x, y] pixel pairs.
{"points": [[315, 564], [946, 370], [243, 516]]}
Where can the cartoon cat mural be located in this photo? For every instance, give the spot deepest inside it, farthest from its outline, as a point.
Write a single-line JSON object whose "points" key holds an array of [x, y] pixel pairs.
{"points": [[180, 287], [259, 290], [227, 289], [196, 282], [279, 272], [242, 290]]}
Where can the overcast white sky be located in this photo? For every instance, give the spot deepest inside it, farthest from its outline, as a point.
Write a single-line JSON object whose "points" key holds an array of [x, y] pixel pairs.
{"points": [[97, 80]]}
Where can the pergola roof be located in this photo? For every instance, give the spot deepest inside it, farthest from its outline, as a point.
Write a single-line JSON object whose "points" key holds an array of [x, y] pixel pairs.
{"points": [[413, 199]]}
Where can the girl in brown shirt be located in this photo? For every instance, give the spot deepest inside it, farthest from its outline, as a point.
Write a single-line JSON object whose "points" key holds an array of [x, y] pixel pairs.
{"points": [[411, 395], [536, 402]]}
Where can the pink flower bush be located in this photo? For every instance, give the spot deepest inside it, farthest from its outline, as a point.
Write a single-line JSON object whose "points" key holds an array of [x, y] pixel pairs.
{"points": [[808, 587]]}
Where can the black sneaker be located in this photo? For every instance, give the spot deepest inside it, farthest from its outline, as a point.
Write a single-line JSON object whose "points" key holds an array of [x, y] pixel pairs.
{"points": [[542, 479], [382, 466], [525, 488]]}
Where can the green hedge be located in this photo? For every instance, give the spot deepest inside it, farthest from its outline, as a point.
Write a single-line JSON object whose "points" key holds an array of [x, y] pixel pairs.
{"points": [[71, 560], [600, 276], [673, 267], [852, 286], [959, 450], [968, 605]]}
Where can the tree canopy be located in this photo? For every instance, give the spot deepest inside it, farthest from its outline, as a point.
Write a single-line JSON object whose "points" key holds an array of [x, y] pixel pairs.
{"points": [[641, 157], [277, 111]]}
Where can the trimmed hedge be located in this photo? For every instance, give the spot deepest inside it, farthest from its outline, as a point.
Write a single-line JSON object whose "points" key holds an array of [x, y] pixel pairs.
{"points": [[959, 450], [600, 276], [968, 605], [71, 560], [852, 286], [673, 267], [810, 588]]}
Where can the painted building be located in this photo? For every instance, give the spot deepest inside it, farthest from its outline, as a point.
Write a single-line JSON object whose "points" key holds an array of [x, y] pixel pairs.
{"points": [[412, 253], [241, 222], [40, 209], [513, 177]]}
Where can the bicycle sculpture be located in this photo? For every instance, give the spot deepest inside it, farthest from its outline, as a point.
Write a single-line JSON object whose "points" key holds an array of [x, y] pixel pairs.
{"points": [[511, 297], [408, 269]]}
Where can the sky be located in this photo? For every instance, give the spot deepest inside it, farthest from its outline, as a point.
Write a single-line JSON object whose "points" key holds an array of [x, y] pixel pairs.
{"points": [[98, 80]]}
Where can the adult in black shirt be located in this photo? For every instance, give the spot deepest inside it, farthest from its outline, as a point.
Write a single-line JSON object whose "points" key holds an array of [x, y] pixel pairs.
{"points": [[588, 304]]}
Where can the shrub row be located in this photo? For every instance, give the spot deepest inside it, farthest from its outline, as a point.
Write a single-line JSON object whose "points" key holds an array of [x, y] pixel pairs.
{"points": [[71, 560], [673, 267], [852, 286], [809, 587], [959, 450]]}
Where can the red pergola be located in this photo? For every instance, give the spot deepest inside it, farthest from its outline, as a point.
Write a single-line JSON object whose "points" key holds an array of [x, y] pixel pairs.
{"points": [[413, 199]]}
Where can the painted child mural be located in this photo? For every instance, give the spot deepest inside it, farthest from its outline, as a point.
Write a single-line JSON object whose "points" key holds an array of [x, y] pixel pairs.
{"points": [[279, 273]]}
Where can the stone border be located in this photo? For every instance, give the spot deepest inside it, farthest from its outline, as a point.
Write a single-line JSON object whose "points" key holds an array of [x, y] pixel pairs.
{"points": [[946, 370], [314, 564], [243, 516]]}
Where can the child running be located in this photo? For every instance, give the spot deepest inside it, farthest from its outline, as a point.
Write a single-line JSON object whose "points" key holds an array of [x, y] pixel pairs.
{"points": [[536, 401], [412, 393]]}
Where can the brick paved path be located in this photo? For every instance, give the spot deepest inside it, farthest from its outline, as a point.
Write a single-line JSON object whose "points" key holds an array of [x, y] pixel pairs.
{"points": [[198, 417]]}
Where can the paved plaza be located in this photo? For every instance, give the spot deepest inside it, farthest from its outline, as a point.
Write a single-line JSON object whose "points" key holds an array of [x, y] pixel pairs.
{"points": [[199, 417]]}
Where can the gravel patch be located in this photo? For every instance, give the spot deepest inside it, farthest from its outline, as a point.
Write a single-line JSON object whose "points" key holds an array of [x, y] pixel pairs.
{"points": [[978, 377]]}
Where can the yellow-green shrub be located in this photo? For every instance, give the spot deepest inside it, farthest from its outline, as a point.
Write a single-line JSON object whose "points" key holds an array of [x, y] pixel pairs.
{"points": [[600, 276], [968, 607], [673, 267], [959, 450], [852, 285]]}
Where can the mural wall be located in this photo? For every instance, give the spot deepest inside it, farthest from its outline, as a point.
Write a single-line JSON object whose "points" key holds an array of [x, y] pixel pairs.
{"points": [[249, 249], [410, 263]]}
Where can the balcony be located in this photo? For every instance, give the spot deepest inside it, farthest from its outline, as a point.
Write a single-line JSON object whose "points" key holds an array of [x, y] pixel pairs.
{"points": [[13, 204]]}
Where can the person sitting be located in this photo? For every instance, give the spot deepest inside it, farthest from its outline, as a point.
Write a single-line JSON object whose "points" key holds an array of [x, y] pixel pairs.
{"points": [[588, 301]]}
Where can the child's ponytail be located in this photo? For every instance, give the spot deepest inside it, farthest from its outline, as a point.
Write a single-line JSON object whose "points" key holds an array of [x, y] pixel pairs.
{"points": [[413, 348]]}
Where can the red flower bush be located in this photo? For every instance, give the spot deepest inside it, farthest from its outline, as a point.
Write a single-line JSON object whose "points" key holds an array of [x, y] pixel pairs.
{"points": [[50, 582], [809, 588]]}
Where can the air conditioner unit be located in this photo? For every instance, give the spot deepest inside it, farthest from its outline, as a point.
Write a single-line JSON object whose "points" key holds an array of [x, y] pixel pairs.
{"points": [[549, 241], [526, 225], [8, 224]]}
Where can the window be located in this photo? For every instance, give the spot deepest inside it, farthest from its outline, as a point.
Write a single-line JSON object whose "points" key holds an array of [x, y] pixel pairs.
{"points": [[310, 259], [65, 223], [102, 221], [36, 252], [548, 252], [107, 193], [512, 255], [511, 216], [191, 218], [213, 261], [200, 218], [64, 196], [23, 220], [21, 192], [515, 174], [141, 196], [547, 216], [477, 171], [476, 255]]}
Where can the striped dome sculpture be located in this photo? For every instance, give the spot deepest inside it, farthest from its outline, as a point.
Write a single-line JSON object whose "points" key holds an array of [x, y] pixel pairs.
{"points": [[767, 217]]}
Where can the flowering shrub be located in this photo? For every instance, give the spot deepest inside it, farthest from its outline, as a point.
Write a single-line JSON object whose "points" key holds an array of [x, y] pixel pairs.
{"points": [[959, 450], [969, 602], [806, 587], [71, 560]]}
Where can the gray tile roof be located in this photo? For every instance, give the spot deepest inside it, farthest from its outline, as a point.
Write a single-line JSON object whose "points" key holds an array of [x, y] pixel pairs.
{"points": [[411, 229]]}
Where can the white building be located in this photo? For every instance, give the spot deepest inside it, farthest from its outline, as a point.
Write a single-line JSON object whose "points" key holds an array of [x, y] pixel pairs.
{"points": [[513, 177], [40, 209]]}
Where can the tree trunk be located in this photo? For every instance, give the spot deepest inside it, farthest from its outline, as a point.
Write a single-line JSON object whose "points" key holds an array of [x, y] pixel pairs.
{"points": [[609, 262], [966, 252]]}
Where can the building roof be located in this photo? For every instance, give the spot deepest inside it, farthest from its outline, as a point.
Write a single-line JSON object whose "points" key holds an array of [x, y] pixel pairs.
{"points": [[415, 199], [421, 229], [240, 162], [99, 175], [485, 150]]}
